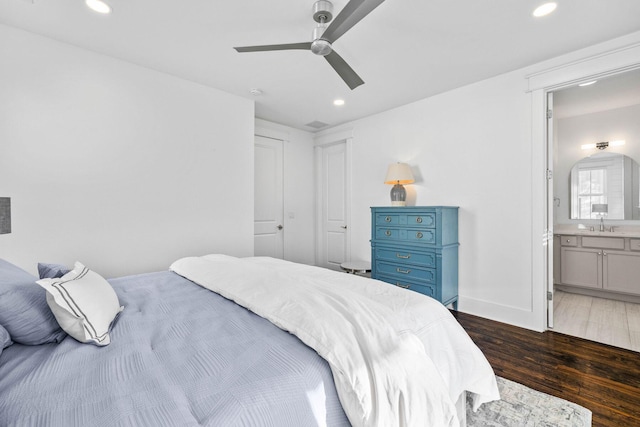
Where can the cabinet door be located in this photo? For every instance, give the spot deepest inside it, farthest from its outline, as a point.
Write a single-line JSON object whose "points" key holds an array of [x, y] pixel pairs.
{"points": [[581, 267], [622, 272], [556, 259]]}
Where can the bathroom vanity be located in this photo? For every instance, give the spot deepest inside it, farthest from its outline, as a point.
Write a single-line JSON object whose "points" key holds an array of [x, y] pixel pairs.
{"points": [[602, 264]]}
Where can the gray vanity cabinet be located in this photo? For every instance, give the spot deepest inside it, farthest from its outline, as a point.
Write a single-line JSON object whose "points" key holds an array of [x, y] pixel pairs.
{"points": [[621, 271], [581, 267], [601, 264]]}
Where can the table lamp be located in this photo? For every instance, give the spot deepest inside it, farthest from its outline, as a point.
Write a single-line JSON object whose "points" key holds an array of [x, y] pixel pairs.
{"points": [[399, 174]]}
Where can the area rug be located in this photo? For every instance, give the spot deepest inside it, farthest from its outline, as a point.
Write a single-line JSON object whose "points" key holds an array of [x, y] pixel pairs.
{"points": [[521, 406]]}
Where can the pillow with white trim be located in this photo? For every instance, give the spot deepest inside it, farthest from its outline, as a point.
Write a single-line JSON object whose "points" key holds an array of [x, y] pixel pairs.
{"points": [[84, 304]]}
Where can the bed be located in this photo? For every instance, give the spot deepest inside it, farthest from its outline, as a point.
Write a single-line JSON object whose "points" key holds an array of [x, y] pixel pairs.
{"points": [[224, 341]]}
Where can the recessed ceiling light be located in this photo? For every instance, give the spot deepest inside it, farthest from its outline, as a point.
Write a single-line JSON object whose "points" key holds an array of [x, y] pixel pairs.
{"points": [[338, 102], [587, 83], [544, 9], [98, 6]]}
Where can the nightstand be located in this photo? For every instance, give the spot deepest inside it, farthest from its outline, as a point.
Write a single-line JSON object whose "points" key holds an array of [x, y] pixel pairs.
{"points": [[361, 268]]}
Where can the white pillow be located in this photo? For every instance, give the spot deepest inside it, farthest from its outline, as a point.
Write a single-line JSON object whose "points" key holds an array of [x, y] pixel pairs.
{"points": [[84, 304]]}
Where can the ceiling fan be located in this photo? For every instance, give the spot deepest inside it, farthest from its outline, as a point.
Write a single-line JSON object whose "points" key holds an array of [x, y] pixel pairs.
{"points": [[324, 36]]}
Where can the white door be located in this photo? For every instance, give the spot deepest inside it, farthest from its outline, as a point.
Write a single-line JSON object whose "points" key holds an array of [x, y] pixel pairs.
{"points": [[550, 207], [268, 198], [334, 185]]}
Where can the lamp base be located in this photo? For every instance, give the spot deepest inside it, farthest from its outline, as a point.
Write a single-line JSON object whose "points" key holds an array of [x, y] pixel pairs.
{"points": [[398, 195]]}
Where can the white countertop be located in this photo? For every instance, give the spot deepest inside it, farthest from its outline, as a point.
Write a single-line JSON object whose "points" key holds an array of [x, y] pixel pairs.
{"points": [[619, 231]]}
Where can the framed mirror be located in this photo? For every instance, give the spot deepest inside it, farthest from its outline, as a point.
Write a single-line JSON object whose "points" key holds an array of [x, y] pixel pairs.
{"points": [[610, 179]]}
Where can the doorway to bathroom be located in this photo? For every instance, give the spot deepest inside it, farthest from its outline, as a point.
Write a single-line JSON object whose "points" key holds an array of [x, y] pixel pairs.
{"points": [[594, 209]]}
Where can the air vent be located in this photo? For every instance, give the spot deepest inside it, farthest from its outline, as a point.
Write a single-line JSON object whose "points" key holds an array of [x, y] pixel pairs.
{"points": [[316, 124]]}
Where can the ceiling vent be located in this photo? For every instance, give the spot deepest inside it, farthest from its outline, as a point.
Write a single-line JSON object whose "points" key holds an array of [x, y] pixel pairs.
{"points": [[317, 125]]}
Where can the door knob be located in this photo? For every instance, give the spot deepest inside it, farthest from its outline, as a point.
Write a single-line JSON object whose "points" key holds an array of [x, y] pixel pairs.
{"points": [[279, 227], [343, 226]]}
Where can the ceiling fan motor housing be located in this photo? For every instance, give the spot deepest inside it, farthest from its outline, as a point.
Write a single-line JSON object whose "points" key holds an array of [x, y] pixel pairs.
{"points": [[322, 14], [319, 46]]}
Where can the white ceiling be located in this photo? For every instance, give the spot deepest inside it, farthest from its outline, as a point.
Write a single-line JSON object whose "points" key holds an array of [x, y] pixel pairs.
{"points": [[404, 50], [622, 90]]}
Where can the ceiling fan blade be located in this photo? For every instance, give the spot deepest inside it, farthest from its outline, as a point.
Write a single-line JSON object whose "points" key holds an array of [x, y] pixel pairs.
{"points": [[349, 16], [269, 47], [344, 70]]}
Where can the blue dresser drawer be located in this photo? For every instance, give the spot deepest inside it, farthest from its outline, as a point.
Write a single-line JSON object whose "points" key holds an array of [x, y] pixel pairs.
{"points": [[423, 275], [427, 235], [388, 219], [421, 236], [390, 234], [427, 290], [406, 256], [427, 219]]}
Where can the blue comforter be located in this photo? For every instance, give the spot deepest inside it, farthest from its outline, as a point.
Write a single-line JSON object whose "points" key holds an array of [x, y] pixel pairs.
{"points": [[180, 356]]}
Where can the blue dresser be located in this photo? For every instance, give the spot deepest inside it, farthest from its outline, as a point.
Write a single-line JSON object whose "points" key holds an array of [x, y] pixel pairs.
{"points": [[416, 247]]}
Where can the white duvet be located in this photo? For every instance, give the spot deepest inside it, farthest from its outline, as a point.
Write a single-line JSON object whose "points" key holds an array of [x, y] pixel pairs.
{"points": [[398, 358]]}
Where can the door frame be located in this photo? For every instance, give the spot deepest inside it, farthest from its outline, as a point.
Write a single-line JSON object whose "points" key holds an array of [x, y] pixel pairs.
{"points": [[320, 142], [615, 57]]}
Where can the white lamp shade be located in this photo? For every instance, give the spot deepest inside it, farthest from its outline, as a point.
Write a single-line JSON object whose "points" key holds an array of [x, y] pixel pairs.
{"points": [[399, 173]]}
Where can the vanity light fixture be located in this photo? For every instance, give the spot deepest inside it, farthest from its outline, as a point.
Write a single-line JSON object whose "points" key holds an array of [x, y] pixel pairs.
{"points": [[98, 6], [399, 174], [602, 145], [545, 9]]}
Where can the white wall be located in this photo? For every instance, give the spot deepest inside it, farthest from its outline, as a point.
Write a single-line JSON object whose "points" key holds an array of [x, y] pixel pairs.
{"points": [[299, 208], [120, 167], [572, 132], [469, 148], [478, 147]]}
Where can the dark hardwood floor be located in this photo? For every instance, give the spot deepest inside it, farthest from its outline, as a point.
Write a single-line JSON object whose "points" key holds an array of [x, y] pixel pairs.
{"points": [[600, 377]]}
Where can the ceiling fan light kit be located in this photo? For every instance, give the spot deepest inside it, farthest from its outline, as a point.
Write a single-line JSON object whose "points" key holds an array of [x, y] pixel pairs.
{"points": [[324, 36]]}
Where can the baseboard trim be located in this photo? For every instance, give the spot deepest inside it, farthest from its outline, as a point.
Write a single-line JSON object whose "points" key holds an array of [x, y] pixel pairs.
{"points": [[501, 313]]}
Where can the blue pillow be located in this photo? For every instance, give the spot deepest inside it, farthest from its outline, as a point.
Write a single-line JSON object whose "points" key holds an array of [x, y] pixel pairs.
{"points": [[5, 339], [24, 312], [51, 271]]}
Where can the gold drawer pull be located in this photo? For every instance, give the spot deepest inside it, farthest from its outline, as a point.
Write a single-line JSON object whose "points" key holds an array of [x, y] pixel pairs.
{"points": [[388, 219], [419, 235], [409, 255], [387, 233], [399, 270], [419, 220], [403, 286]]}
